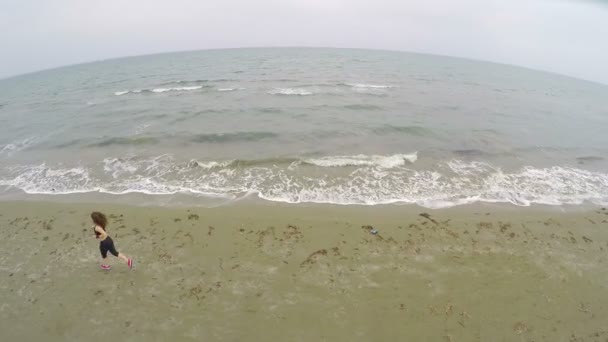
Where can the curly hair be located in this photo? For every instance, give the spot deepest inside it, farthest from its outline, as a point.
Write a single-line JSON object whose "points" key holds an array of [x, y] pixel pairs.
{"points": [[99, 219]]}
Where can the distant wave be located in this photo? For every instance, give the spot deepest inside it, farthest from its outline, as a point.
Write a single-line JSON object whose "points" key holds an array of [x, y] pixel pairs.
{"points": [[162, 90], [332, 88], [124, 92], [159, 90], [469, 152], [371, 86], [229, 89], [231, 137], [367, 107], [274, 80], [367, 180], [407, 130], [198, 81], [187, 86], [138, 140], [290, 91], [270, 110], [588, 159]]}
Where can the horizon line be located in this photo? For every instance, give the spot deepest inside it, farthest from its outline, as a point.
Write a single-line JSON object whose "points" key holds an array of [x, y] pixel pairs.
{"points": [[7, 78]]}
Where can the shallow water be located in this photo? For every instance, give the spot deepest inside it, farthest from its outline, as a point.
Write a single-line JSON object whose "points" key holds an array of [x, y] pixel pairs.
{"points": [[306, 125]]}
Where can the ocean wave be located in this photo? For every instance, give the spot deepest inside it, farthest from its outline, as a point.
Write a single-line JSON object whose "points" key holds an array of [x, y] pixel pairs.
{"points": [[231, 137], [335, 89], [290, 91], [370, 86], [137, 140], [125, 92], [275, 80], [364, 160], [141, 138], [370, 181], [118, 167], [407, 130], [16, 146], [471, 152], [229, 89], [366, 107], [163, 90], [270, 110], [160, 90], [210, 164], [588, 159], [40, 179], [198, 81]]}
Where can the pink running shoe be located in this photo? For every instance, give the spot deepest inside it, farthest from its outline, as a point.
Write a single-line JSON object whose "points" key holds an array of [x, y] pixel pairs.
{"points": [[130, 263], [105, 267]]}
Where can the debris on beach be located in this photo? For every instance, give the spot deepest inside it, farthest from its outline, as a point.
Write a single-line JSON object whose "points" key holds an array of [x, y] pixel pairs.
{"points": [[428, 217]]}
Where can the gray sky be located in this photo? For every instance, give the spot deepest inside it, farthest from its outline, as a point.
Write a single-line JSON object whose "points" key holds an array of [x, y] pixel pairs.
{"points": [[567, 37]]}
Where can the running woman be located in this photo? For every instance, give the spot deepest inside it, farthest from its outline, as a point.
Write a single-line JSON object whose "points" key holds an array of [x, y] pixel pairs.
{"points": [[106, 244]]}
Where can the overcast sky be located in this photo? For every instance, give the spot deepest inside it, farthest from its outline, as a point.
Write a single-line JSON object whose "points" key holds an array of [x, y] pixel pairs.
{"points": [[567, 37]]}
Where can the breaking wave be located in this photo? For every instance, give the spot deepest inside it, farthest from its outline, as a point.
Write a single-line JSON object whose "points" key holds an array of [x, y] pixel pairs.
{"points": [[363, 160], [370, 86], [159, 90], [290, 91], [229, 89], [16, 146], [360, 179]]}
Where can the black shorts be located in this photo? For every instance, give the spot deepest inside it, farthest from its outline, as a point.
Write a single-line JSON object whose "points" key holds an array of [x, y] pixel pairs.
{"points": [[107, 245]]}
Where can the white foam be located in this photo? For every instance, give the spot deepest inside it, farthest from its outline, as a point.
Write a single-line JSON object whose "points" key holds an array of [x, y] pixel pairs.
{"points": [[40, 179], [209, 164], [162, 90], [119, 167], [158, 90], [124, 92], [16, 146], [372, 86], [290, 91], [364, 160], [469, 168], [367, 180], [229, 89]]}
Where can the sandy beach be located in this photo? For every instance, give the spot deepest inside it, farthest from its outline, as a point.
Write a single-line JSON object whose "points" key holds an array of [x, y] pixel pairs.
{"points": [[305, 273]]}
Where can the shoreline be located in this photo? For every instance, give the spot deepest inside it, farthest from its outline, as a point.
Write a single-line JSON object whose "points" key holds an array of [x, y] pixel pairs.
{"points": [[187, 201], [304, 272]]}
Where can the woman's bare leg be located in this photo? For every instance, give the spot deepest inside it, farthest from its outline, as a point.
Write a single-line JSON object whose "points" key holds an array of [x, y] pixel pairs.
{"points": [[123, 257]]}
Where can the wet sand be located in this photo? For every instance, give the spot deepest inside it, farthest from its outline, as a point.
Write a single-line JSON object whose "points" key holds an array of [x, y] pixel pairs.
{"points": [[304, 273]]}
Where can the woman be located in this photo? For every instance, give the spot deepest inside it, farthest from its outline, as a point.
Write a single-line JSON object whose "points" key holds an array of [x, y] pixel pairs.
{"points": [[106, 244]]}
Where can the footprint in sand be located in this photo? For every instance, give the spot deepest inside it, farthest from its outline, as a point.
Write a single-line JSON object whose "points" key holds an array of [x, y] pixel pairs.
{"points": [[47, 225], [282, 244], [314, 258]]}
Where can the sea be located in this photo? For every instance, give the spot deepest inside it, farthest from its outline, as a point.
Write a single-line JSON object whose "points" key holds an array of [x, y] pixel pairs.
{"points": [[306, 125]]}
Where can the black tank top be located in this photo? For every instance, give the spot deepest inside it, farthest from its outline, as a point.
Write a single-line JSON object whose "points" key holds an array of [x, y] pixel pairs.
{"points": [[97, 234]]}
